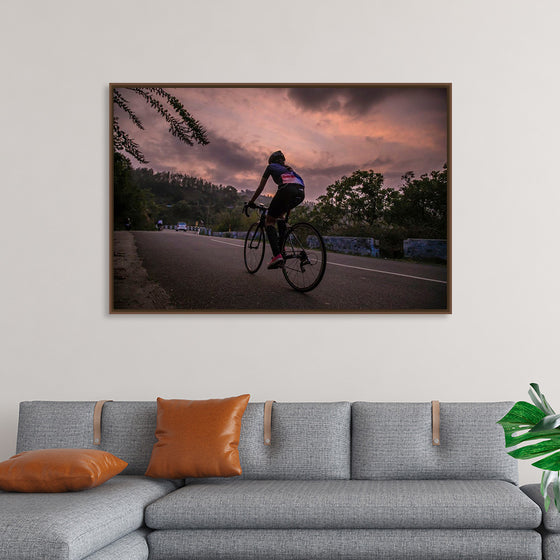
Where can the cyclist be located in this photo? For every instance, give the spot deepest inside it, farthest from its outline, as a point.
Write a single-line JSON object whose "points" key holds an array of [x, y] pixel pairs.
{"points": [[291, 192]]}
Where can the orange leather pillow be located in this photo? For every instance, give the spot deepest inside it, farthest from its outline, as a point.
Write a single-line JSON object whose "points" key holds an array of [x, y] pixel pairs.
{"points": [[58, 470], [197, 438]]}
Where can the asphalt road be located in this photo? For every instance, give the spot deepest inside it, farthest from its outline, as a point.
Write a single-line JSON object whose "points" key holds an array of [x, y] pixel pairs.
{"points": [[208, 274]]}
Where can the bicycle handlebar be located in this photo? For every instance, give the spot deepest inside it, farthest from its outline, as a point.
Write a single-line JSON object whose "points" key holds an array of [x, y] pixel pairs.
{"points": [[247, 205]]}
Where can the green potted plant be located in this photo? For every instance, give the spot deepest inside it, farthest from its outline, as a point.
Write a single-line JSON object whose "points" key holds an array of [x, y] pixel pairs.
{"points": [[533, 430]]}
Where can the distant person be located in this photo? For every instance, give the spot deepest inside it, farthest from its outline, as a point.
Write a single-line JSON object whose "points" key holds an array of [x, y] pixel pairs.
{"points": [[128, 224], [159, 225], [290, 193]]}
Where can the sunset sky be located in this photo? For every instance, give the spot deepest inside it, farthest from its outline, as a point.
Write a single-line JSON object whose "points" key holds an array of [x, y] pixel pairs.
{"points": [[325, 133]]}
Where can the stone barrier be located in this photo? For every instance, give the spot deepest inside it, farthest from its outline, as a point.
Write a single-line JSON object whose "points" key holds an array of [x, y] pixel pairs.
{"points": [[425, 249], [363, 246], [227, 234]]}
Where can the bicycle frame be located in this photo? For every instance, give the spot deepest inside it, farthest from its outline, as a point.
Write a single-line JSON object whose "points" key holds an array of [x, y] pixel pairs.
{"points": [[263, 210], [308, 257]]}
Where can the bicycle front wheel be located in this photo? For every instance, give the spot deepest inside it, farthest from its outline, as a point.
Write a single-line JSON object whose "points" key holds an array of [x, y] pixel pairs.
{"points": [[253, 251], [305, 257]]}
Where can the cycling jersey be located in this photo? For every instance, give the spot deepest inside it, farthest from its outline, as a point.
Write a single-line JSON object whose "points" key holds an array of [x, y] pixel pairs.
{"points": [[282, 175]]}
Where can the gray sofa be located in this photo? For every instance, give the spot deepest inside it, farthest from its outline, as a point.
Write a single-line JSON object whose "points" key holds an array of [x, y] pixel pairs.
{"points": [[339, 480], [550, 527]]}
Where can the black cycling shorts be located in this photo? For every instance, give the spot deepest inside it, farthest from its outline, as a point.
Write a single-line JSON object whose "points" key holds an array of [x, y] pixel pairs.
{"points": [[287, 197]]}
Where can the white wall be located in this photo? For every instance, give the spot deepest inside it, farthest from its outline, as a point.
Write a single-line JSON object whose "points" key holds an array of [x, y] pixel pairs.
{"points": [[57, 338]]}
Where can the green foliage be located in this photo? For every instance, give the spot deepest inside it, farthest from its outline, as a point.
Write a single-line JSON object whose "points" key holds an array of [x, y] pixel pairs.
{"points": [[360, 205], [232, 220], [130, 201], [391, 238], [421, 205], [175, 197], [537, 427], [356, 200], [182, 125]]}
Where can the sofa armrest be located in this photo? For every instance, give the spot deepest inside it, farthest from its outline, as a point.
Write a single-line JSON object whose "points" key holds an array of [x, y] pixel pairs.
{"points": [[551, 518]]}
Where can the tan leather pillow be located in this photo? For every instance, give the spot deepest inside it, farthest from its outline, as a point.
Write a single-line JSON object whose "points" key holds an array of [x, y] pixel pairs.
{"points": [[58, 470], [197, 438]]}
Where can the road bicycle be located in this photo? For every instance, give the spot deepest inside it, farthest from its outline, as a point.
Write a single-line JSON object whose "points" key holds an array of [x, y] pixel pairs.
{"points": [[303, 249]]}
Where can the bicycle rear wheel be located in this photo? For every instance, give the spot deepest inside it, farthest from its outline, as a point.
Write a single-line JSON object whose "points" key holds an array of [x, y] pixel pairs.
{"points": [[305, 257], [253, 251]]}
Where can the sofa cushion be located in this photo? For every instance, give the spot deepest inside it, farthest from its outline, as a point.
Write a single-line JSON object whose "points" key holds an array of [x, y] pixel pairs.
{"points": [[51, 424], [130, 547], [128, 430], [58, 470], [551, 518], [551, 546], [345, 504], [350, 544], [70, 526], [197, 438], [310, 441], [394, 441]]}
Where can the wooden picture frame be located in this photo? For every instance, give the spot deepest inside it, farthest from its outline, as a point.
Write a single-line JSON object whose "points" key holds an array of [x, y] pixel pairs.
{"points": [[376, 163]]}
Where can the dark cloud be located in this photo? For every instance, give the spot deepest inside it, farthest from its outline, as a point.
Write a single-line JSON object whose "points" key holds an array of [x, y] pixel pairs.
{"points": [[314, 99], [223, 158], [427, 100], [317, 178], [230, 154], [355, 101], [377, 163], [360, 100], [338, 171]]}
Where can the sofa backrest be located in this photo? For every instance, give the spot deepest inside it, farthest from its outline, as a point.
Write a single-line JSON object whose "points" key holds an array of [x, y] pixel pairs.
{"points": [[394, 441], [127, 428], [309, 440]]}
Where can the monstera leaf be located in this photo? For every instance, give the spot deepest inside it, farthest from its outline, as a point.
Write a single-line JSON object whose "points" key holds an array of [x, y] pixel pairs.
{"points": [[533, 430]]}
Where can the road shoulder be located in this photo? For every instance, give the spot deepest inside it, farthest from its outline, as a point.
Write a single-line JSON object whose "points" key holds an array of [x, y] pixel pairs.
{"points": [[132, 289]]}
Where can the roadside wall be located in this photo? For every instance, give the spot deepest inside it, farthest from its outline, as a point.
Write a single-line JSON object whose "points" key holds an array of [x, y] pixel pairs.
{"points": [[364, 246], [425, 248]]}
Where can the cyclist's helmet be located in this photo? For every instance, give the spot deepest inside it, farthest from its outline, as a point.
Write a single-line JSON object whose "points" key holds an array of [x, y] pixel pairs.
{"points": [[277, 157]]}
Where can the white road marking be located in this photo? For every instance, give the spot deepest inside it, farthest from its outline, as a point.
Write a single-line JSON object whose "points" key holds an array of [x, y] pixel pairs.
{"points": [[225, 242], [350, 266], [391, 273]]}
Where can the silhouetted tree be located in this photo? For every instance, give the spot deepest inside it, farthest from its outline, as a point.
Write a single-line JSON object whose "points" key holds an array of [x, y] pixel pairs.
{"points": [[421, 207], [355, 201], [181, 123]]}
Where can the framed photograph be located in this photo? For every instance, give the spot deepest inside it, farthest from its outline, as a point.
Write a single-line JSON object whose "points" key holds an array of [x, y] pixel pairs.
{"points": [[266, 198]]}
